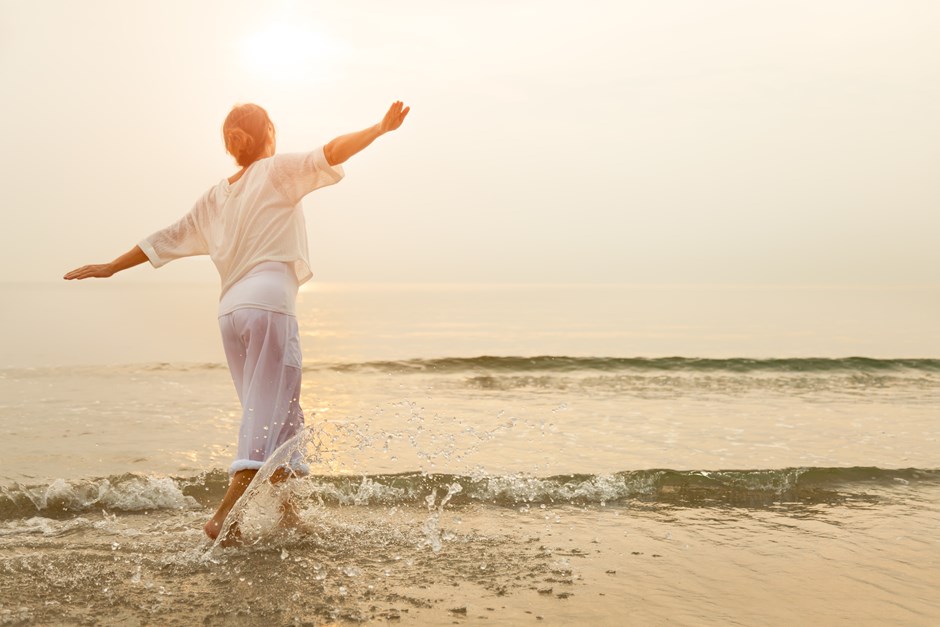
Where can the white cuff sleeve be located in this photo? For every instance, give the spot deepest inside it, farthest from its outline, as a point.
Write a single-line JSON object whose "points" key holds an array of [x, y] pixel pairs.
{"points": [[152, 255]]}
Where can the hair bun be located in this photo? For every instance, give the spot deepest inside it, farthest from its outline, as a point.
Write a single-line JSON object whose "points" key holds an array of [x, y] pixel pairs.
{"points": [[245, 133], [239, 144]]}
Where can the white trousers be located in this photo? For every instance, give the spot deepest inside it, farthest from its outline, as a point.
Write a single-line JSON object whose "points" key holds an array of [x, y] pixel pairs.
{"points": [[263, 352]]}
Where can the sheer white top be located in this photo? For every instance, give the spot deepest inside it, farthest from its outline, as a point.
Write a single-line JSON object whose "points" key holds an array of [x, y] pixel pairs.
{"points": [[258, 218]]}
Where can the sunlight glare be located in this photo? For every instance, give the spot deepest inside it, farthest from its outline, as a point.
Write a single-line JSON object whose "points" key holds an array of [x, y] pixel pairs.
{"points": [[285, 51]]}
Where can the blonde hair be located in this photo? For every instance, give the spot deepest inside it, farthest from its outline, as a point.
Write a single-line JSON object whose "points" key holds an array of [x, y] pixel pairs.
{"points": [[245, 132]]}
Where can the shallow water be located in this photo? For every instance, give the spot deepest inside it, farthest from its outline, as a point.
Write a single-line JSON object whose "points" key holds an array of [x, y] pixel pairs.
{"points": [[577, 488], [866, 555]]}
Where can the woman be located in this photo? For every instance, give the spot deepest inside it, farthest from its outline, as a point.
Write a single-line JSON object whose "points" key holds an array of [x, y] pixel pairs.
{"points": [[252, 226]]}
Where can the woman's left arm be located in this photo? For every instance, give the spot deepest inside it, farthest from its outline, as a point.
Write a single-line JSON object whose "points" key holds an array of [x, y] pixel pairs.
{"points": [[134, 257], [345, 146]]}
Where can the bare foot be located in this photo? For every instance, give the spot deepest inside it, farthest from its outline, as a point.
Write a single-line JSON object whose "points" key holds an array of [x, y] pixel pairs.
{"points": [[233, 538], [212, 528]]}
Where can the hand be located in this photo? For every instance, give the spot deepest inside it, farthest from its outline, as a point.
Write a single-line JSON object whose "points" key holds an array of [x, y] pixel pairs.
{"points": [[394, 117], [97, 271]]}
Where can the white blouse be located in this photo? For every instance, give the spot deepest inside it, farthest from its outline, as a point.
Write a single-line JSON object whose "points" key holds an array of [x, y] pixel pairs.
{"points": [[257, 218]]}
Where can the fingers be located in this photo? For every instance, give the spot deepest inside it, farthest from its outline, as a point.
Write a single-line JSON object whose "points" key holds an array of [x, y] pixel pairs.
{"points": [[396, 109], [74, 274], [78, 273], [84, 272], [395, 115]]}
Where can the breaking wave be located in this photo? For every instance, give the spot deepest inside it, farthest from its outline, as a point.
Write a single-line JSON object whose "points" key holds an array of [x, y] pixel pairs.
{"points": [[547, 363], [557, 364], [134, 493]]}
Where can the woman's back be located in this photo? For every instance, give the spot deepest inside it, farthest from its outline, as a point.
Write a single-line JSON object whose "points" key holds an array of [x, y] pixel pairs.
{"points": [[257, 218]]}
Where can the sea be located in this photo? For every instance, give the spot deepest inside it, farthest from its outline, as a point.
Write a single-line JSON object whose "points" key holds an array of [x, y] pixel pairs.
{"points": [[493, 454]]}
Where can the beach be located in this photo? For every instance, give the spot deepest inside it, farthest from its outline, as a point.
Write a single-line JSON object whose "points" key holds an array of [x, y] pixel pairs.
{"points": [[632, 321], [483, 454]]}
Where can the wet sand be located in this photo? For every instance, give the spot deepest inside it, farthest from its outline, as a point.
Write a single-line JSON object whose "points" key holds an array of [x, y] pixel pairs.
{"points": [[635, 563]]}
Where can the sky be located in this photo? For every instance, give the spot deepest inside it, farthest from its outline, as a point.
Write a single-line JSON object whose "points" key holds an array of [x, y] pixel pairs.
{"points": [[679, 141]]}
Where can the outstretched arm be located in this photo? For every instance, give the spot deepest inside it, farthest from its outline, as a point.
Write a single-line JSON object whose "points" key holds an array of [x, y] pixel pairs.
{"points": [[135, 256], [345, 146]]}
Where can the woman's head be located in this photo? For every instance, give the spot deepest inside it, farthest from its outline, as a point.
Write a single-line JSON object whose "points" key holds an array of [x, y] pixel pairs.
{"points": [[248, 134]]}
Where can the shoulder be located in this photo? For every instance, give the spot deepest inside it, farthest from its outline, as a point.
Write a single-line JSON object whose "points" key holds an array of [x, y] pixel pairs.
{"points": [[315, 156]]}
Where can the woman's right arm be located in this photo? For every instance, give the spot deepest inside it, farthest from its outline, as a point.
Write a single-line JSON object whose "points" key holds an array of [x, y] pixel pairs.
{"points": [[183, 238], [134, 257]]}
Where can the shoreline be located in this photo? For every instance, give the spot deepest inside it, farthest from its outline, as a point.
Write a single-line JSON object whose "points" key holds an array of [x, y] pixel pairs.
{"points": [[494, 566]]}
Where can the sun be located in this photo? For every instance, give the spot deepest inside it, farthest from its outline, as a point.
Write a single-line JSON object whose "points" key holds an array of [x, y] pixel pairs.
{"points": [[284, 50]]}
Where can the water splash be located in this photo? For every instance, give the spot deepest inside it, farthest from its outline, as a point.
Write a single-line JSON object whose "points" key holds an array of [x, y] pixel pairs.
{"points": [[432, 526]]}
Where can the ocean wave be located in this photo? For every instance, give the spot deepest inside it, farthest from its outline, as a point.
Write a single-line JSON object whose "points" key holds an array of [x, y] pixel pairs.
{"points": [[548, 363], [748, 488], [671, 383], [671, 374], [553, 364], [121, 493]]}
